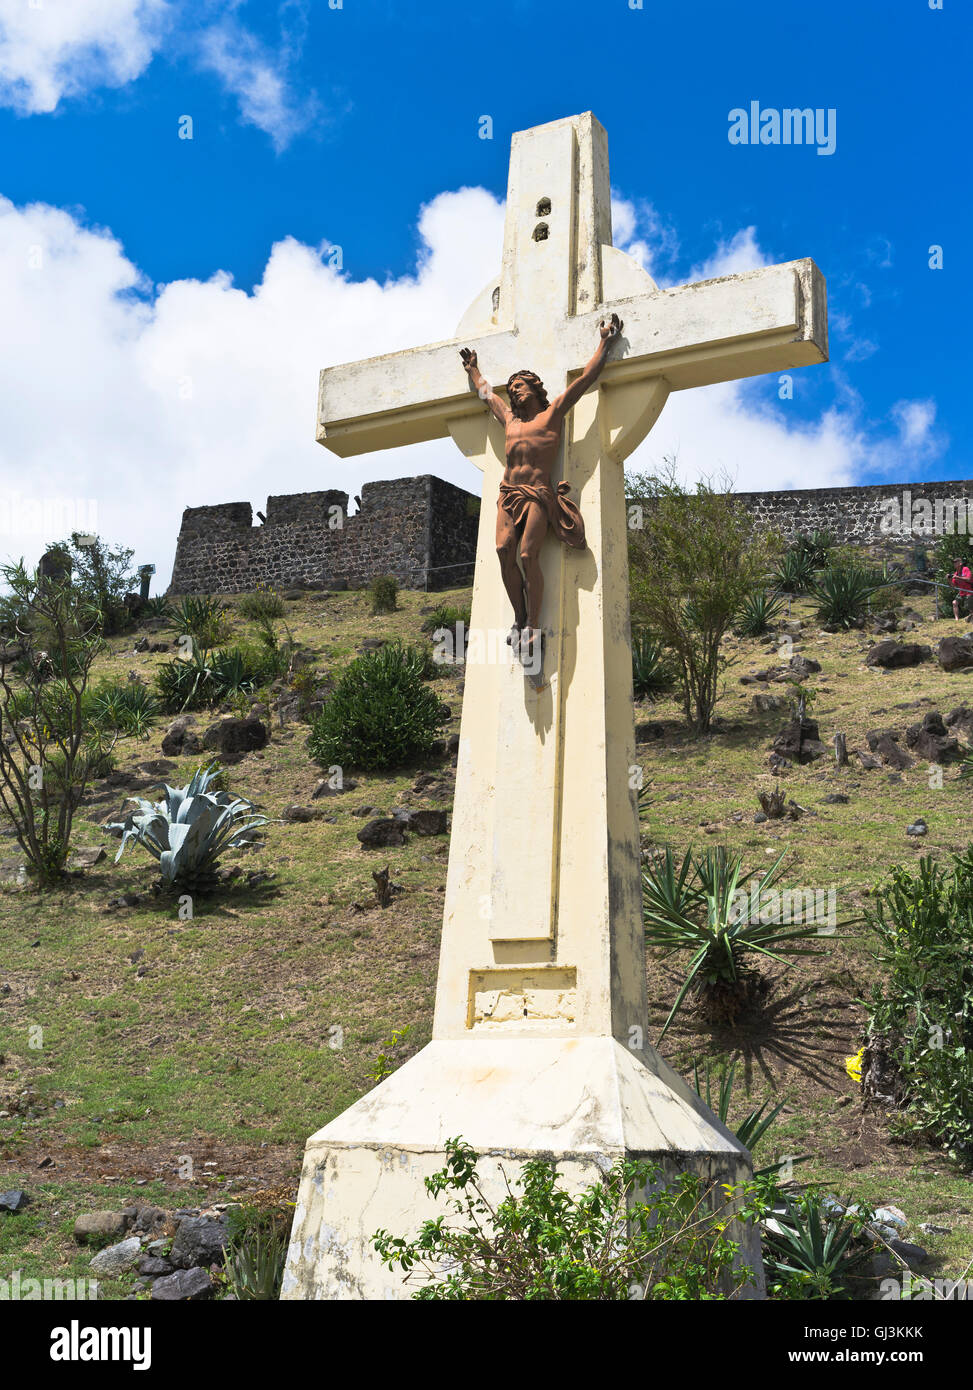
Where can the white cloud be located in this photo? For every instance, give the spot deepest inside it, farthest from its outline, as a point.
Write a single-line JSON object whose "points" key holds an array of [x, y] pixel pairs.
{"points": [[258, 77], [731, 257], [63, 48], [142, 402]]}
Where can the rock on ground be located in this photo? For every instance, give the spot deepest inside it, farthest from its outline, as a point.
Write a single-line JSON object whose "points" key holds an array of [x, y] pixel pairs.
{"points": [[116, 1259], [198, 1241], [185, 1285]]}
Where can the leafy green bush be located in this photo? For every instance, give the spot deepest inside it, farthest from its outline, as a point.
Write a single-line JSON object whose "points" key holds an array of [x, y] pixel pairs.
{"points": [[379, 715], [703, 907], [629, 1235], [384, 590], [652, 672], [262, 603], [758, 612], [843, 593], [205, 619], [189, 829], [921, 1014]]}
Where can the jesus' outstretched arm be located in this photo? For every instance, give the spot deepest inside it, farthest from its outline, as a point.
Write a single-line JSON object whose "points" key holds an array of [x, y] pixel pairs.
{"points": [[592, 371], [482, 387]]}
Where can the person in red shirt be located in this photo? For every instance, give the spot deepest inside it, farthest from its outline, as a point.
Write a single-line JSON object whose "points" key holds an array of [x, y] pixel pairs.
{"points": [[962, 581]]}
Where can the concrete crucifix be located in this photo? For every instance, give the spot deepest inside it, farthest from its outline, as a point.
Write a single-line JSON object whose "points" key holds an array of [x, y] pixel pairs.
{"points": [[540, 1034]]}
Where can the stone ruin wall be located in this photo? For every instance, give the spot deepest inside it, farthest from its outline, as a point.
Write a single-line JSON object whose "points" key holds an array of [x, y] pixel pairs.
{"points": [[855, 515], [421, 530]]}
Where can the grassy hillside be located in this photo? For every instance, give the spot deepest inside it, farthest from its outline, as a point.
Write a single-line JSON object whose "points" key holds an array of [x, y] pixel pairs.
{"points": [[131, 1038]]}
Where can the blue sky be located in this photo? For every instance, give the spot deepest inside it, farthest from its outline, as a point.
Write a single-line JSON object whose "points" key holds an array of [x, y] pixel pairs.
{"points": [[316, 125]]}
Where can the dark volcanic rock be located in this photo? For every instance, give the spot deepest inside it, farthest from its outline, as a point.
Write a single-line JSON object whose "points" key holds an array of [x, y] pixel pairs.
{"points": [[380, 834], [198, 1241], [804, 666], [885, 742], [961, 718], [799, 741], [186, 1284], [180, 740], [955, 653], [931, 740], [892, 655], [234, 737]]}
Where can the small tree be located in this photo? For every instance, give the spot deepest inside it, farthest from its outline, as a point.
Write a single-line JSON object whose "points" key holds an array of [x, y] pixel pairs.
{"points": [[693, 562], [43, 757], [103, 574]]}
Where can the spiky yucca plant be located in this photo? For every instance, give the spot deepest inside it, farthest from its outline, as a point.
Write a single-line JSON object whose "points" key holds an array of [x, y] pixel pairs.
{"points": [[189, 829]]}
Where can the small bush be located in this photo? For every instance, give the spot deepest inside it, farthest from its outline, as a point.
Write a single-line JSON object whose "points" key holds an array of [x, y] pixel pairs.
{"points": [[921, 1014], [384, 590], [211, 678], [380, 715], [629, 1235], [156, 608], [262, 603]]}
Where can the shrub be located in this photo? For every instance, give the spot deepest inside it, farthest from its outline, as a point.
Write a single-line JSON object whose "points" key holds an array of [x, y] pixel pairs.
{"points": [[204, 619], [262, 603], [102, 576], [379, 715], [758, 612], [688, 594], [44, 766], [189, 829], [921, 1014], [384, 590], [843, 593], [703, 906], [652, 672], [629, 1235]]}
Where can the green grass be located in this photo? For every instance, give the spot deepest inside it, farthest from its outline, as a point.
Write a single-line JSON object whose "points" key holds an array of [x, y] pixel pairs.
{"points": [[221, 1049]]}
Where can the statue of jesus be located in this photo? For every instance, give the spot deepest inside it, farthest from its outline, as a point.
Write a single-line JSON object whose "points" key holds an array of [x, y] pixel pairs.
{"points": [[527, 505]]}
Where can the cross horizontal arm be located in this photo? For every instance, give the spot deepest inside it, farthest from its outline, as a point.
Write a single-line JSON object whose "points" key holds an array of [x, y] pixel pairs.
{"points": [[715, 330], [400, 398]]}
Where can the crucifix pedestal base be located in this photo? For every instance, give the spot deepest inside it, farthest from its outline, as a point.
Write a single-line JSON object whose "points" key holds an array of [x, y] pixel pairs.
{"points": [[582, 1102]]}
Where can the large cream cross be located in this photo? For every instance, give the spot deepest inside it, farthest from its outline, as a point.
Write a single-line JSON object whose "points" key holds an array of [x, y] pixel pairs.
{"points": [[542, 925]]}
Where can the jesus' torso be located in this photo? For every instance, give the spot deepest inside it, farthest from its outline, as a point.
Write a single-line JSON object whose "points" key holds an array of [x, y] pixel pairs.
{"points": [[532, 448]]}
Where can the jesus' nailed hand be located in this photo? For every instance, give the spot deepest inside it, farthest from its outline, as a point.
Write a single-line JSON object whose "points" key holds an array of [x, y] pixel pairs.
{"points": [[528, 504]]}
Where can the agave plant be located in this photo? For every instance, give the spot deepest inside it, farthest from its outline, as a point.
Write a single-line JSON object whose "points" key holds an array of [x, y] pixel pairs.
{"points": [[697, 907], [758, 612], [843, 593], [817, 547], [814, 1247], [651, 673], [755, 1123], [189, 829], [795, 573]]}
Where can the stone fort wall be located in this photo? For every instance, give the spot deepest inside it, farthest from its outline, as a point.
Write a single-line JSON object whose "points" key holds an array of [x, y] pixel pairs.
{"points": [[421, 530], [886, 514]]}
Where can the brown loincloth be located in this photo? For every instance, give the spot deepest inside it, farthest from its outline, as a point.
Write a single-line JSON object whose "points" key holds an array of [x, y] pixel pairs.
{"points": [[563, 516]]}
